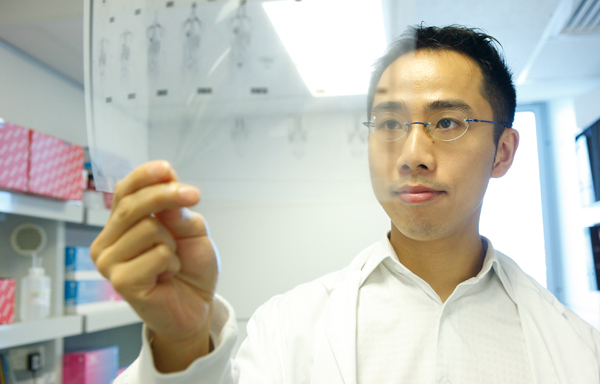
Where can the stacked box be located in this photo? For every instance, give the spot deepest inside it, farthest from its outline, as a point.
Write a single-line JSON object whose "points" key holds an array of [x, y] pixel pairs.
{"points": [[55, 167], [79, 264], [7, 300], [78, 293], [121, 370], [108, 198], [41, 164], [86, 290], [97, 366], [14, 156]]}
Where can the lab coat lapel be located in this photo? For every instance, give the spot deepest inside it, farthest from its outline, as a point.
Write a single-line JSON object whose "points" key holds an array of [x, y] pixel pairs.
{"points": [[338, 349], [556, 351]]}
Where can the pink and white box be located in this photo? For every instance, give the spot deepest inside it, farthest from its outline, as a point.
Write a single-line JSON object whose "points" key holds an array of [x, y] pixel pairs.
{"points": [[98, 366], [7, 301], [14, 156], [55, 167]]}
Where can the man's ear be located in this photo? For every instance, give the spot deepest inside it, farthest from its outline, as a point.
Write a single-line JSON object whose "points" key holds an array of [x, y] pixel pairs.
{"points": [[505, 152]]}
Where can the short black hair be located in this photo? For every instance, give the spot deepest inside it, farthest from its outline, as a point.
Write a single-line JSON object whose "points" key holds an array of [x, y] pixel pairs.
{"points": [[497, 86]]}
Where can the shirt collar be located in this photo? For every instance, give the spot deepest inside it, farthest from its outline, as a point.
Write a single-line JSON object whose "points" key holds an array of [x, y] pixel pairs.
{"points": [[384, 254], [382, 251], [492, 256]]}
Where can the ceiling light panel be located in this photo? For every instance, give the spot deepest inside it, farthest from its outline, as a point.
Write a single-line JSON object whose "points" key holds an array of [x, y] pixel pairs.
{"points": [[333, 43]]}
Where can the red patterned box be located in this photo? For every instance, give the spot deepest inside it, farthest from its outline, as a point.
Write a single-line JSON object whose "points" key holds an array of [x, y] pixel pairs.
{"points": [[55, 167], [14, 154], [7, 301], [108, 198]]}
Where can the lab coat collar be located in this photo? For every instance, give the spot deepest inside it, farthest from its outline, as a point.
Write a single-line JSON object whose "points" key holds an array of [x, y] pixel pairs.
{"points": [[341, 326], [339, 346]]}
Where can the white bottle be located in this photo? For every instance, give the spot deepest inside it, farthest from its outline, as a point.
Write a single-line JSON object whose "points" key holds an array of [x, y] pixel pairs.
{"points": [[35, 294]]}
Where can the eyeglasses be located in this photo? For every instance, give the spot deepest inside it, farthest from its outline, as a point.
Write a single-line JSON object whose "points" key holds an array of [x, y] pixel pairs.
{"points": [[447, 125]]}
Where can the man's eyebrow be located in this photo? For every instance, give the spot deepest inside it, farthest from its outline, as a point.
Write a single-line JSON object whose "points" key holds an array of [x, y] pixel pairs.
{"points": [[387, 106], [448, 104]]}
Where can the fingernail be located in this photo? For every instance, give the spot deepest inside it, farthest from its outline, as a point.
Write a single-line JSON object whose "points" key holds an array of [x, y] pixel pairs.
{"points": [[158, 169], [188, 193]]}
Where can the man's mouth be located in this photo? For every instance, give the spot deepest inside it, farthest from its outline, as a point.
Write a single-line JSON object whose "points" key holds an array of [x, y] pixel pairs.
{"points": [[417, 194]]}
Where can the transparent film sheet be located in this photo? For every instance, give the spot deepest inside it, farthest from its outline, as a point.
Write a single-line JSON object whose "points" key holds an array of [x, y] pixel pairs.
{"points": [[262, 94]]}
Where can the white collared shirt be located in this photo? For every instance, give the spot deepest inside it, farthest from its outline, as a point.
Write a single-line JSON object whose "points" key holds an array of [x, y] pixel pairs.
{"points": [[406, 334]]}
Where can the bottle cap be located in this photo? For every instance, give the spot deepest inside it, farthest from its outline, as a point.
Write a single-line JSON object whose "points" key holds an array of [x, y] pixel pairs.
{"points": [[36, 271]]}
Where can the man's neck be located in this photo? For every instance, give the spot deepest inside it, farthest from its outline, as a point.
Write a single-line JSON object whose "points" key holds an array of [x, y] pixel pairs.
{"points": [[442, 263]]}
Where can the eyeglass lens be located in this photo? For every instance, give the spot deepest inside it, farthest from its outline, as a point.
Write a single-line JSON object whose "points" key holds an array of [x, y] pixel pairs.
{"points": [[447, 125]]}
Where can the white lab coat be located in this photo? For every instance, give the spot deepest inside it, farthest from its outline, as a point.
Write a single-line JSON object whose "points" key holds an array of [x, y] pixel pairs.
{"points": [[308, 336]]}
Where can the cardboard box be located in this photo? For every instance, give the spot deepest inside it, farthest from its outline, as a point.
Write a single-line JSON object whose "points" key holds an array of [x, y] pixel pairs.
{"points": [[86, 295], [78, 259], [121, 370], [55, 167], [89, 291], [7, 300], [79, 264], [108, 198], [14, 156], [98, 366], [86, 290]]}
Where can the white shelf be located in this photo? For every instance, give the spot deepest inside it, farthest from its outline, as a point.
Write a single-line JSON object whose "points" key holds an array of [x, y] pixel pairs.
{"points": [[29, 332], [40, 207], [120, 315], [96, 217]]}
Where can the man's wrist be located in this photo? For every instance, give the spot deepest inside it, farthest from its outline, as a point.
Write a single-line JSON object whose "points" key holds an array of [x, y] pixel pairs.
{"points": [[176, 355]]}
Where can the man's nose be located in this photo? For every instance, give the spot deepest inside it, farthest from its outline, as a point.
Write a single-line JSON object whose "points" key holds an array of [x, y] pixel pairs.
{"points": [[416, 151]]}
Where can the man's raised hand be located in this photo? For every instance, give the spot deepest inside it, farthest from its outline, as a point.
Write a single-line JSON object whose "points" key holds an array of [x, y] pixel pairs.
{"points": [[159, 256]]}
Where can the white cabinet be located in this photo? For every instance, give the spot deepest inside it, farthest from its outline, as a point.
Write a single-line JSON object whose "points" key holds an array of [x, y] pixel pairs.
{"points": [[66, 223]]}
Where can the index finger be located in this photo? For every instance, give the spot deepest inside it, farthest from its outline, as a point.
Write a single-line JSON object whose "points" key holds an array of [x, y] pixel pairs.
{"points": [[150, 173]]}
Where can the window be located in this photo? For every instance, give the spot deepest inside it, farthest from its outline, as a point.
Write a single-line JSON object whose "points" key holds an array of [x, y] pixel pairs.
{"points": [[512, 210]]}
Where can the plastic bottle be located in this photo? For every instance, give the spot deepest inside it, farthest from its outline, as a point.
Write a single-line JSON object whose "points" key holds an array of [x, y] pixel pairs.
{"points": [[35, 294]]}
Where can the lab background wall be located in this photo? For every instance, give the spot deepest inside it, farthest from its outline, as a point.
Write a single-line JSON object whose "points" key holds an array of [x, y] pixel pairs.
{"points": [[37, 97]]}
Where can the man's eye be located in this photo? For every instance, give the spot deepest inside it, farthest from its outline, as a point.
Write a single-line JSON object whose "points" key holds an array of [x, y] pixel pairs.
{"points": [[390, 125], [447, 123]]}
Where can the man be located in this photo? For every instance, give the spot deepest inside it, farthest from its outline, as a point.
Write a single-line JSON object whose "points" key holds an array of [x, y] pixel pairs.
{"points": [[432, 302]]}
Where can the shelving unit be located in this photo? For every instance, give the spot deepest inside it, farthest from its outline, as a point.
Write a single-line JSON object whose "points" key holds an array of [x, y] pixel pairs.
{"points": [[65, 222], [12, 335], [120, 316], [41, 208]]}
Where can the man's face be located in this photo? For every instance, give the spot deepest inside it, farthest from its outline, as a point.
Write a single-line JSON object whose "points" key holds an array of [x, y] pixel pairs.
{"points": [[429, 188]]}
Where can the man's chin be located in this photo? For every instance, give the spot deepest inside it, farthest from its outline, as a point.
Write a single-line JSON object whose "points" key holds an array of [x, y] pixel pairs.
{"points": [[417, 231]]}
